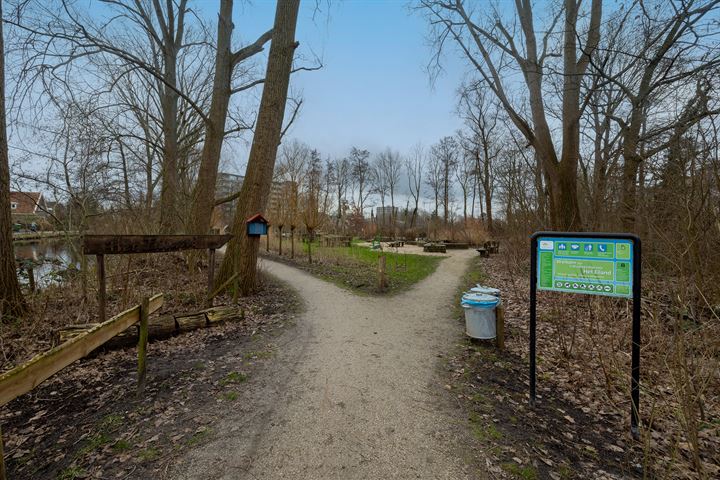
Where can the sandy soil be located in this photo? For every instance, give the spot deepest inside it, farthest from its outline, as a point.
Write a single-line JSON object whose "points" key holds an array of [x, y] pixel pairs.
{"points": [[355, 392]]}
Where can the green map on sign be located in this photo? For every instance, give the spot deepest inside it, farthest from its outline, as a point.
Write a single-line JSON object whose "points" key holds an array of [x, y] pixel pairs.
{"points": [[585, 265]]}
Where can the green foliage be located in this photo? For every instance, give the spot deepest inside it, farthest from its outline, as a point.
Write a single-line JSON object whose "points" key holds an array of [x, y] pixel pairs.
{"points": [[233, 377], [121, 446], [149, 454], [94, 442], [111, 422], [525, 473], [198, 437], [484, 431], [71, 473], [229, 396], [402, 270]]}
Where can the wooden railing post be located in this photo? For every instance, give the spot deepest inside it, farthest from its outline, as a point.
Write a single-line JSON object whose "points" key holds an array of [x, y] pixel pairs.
{"points": [[142, 344], [382, 279], [500, 326], [31, 277], [211, 275], [3, 472], [101, 287]]}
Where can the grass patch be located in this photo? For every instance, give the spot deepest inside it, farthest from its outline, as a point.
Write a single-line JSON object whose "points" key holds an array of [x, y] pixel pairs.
{"points": [[71, 473], [233, 377], [484, 431], [526, 473], [149, 454], [111, 422], [355, 267], [93, 443], [229, 396], [121, 446], [260, 355], [198, 437]]}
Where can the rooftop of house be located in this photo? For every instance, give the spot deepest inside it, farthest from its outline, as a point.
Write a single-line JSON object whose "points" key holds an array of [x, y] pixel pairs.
{"points": [[25, 203]]}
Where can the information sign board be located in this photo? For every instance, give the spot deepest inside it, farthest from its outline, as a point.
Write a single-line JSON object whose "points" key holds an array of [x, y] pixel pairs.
{"points": [[596, 266], [591, 263]]}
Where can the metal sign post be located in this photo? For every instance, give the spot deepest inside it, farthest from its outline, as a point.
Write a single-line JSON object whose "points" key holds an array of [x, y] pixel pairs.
{"points": [[607, 264]]}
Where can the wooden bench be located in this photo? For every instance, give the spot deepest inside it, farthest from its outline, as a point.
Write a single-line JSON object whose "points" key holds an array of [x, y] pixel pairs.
{"points": [[492, 246], [435, 248], [396, 244]]}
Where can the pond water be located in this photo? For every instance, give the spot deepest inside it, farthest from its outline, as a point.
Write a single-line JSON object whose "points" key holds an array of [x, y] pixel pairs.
{"points": [[48, 258]]}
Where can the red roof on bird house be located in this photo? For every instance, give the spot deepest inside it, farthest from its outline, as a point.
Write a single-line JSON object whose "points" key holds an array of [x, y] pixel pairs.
{"points": [[257, 218]]}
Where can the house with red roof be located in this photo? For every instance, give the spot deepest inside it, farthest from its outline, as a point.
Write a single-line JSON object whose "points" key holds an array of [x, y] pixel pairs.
{"points": [[28, 207]]}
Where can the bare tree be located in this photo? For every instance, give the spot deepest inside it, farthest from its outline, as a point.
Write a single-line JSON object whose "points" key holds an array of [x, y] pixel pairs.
{"points": [[388, 168], [481, 118], [294, 158], [361, 175], [242, 251], [226, 62], [380, 186], [434, 180], [342, 168], [311, 199], [445, 153], [669, 52], [415, 164], [12, 303], [491, 45], [465, 174]]}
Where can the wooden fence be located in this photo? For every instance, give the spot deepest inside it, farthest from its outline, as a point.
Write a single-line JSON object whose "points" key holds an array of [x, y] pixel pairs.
{"points": [[26, 377]]}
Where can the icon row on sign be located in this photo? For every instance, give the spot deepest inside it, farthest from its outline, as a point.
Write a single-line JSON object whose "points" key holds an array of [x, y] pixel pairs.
{"points": [[583, 286], [587, 247]]}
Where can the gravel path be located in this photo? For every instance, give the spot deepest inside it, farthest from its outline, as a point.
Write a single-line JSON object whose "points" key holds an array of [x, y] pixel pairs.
{"points": [[354, 392]]}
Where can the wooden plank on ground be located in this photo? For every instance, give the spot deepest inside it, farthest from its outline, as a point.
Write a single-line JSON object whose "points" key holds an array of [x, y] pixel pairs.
{"points": [[119, 244], [27, 376]]}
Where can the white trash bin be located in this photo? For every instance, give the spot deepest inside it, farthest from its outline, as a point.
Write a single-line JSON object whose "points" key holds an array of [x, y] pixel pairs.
{"points": [[480, 315], [486, 290]]}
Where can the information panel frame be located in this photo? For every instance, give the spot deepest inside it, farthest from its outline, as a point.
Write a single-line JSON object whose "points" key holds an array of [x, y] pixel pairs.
{"points": [[635, 294], [587, 265]]}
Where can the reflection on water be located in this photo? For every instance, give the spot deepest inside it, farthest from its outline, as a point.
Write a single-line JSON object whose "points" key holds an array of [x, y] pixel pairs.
{"points": [[48, 258]]}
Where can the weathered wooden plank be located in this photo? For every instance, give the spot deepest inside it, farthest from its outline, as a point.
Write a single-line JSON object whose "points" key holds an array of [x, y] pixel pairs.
{"points": [[101, 287], [3, 472], [119, 244], [500, 326], [24, 378], [142, 344]]}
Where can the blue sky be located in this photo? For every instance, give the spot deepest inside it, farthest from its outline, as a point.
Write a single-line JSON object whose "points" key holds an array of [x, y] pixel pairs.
{"points": [[373, 91]]}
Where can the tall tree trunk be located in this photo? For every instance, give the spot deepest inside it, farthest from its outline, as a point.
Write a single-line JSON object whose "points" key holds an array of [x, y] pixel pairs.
{"points": [[204, 192], [225, 62], [487, 186], [12, 303], [243, 250], [540, 191], [169, 209], [292, 242]]}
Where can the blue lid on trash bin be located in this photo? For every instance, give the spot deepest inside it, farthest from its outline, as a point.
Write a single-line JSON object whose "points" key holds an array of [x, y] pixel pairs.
{"points": [[479, 300], [485, 290]]}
